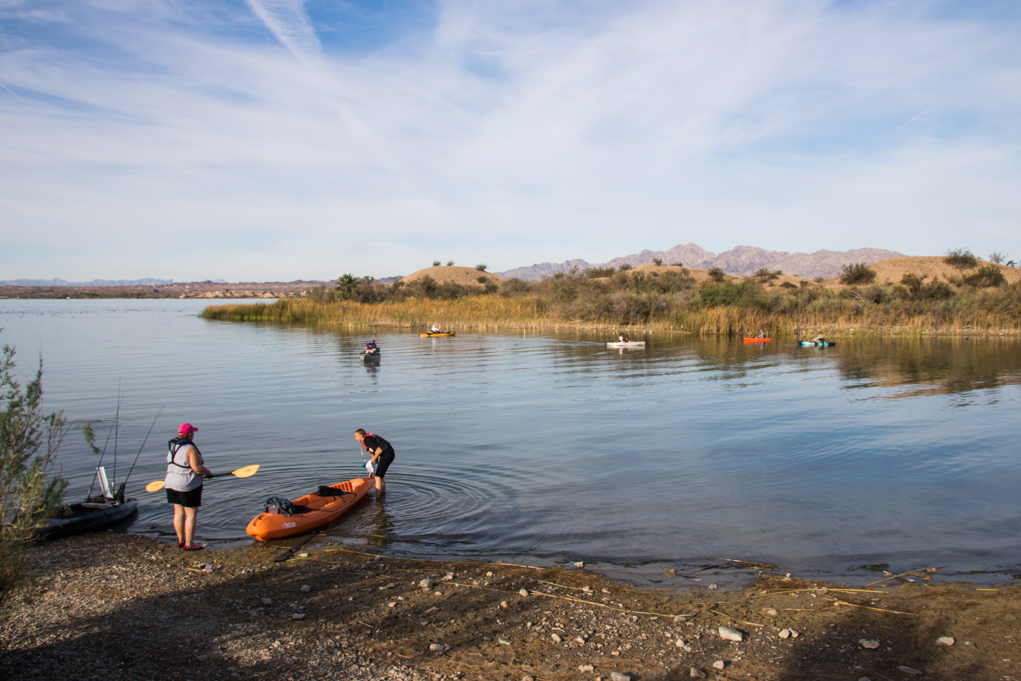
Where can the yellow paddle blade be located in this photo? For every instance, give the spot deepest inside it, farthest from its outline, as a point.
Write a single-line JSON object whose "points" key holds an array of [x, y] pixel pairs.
{"points": [[154, 486], [246, 472]]}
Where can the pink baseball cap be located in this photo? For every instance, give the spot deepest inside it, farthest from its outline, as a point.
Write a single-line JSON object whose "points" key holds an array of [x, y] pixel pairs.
{"points": [[186, 429]]}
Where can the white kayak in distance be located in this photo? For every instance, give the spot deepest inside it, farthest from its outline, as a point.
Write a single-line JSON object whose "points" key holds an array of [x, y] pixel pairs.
{"points": [[626, 344]]}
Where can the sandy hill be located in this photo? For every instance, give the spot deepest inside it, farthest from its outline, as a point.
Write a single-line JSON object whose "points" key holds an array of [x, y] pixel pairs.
{"points": [[466, 276], [931, 266]]}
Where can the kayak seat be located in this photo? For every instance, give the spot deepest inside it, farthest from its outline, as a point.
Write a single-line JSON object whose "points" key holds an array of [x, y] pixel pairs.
{"points": [[327, 491]]}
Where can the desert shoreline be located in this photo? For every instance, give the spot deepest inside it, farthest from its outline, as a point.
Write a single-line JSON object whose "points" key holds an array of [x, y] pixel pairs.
{"points": [[102, 602]]}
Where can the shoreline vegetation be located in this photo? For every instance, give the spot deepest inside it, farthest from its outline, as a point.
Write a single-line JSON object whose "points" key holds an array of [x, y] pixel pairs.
{"points": [[953, 295]]}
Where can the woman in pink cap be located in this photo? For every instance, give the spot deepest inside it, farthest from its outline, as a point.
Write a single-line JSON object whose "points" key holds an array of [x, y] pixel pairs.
{"points": [[185, 474]]}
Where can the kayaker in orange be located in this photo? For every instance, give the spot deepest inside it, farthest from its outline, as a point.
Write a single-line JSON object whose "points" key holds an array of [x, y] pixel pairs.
{"points": [[382, 453], [185, 474]]}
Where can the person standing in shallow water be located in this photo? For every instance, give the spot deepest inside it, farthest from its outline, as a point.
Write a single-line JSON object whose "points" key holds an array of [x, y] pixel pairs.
{"points": [[382, 453], [185, 474]]}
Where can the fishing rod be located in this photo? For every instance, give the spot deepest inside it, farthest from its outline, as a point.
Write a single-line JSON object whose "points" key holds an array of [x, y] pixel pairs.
{"points": [[116, 431], [142, 447], [107, 443]]}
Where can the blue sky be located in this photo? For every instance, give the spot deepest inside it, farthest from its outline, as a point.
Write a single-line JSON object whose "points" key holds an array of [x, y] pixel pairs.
{"points": [[279, 139]]}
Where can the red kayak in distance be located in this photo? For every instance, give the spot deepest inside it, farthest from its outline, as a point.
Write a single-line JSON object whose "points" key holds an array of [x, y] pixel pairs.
{"points": [[757, 340]]}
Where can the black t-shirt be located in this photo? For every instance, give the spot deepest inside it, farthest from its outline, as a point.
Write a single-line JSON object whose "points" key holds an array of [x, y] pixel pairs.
{"points": [[372, 442]]}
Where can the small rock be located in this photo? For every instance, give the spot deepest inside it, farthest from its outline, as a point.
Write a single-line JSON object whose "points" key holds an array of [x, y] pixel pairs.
{"points": [[586, 668], [579, 565], [871, 644], [448, 577], [523, 592], [719, 664], [527, 678], [503, 641], [795, 633], [426, 583], [606, 591], [696, 673], [503, 604], [438, 647], [772, 613], [619, 676], [670, 572], [728, 634], [579, 639], [556, 638], [489, 574], [298, 616], [680, 618], [267, 601], [784, 633], [305, 588], [714, 587], [392, 604], [910, 671], [302, 555], [679, 643], [945, 641]]}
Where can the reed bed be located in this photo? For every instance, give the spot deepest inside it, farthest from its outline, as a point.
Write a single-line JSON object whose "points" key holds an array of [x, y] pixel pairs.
{"points": [[728, 310]]}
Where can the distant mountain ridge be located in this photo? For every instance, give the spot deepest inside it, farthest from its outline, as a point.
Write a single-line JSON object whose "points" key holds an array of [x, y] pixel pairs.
{"points": [[741, 261], [94, 282]]}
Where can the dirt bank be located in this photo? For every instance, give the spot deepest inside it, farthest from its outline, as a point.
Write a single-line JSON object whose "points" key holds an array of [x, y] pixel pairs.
{"points": [[123, 606]]}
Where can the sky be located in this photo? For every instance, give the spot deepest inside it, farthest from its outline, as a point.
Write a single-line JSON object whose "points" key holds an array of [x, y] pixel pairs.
{"points": [[275, 140]]}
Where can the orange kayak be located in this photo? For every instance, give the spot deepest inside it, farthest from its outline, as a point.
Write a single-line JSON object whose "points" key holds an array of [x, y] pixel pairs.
{"points": [[757, 340], [320, 510]]}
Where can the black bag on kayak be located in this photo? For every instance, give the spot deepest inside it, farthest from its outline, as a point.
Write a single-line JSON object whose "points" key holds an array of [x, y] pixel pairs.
{"points": [[279, 505]]}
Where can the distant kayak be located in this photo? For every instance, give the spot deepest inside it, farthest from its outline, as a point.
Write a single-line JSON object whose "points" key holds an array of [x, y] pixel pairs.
{"points": [[437, 334], [87, 517], [818, 344], [628, 344], [310, 511], [757, 340]]}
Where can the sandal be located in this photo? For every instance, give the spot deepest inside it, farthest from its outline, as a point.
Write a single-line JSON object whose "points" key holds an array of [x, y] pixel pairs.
{"points": [[193, 548]]}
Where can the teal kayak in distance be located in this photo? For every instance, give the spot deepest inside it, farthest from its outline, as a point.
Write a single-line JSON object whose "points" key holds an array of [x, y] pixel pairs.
{"points": [[823, 344]]}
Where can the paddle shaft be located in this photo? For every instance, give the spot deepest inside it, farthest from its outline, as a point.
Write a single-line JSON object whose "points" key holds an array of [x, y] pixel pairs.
{"points": [[290, 552]]}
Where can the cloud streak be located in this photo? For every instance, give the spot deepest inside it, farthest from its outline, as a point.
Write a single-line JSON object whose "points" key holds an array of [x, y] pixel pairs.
{"points": [[496, 132]]}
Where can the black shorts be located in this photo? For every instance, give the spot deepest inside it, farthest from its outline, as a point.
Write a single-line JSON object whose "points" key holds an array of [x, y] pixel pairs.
{"points": [[191, 499], [384, 461]]}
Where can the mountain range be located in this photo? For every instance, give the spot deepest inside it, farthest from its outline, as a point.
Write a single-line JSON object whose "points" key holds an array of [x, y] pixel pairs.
{"points": [[741, 261]]}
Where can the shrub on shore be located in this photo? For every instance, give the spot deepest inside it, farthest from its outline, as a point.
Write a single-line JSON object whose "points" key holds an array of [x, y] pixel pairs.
{"points": [[961, 258], [857, 273], [29, 491]]}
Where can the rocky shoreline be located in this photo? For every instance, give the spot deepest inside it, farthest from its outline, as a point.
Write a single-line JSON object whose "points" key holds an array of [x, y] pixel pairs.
{"points": [[105, 605]]}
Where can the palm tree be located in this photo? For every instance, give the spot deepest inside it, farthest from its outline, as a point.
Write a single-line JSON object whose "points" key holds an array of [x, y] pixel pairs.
{"points": [[346, 286]]}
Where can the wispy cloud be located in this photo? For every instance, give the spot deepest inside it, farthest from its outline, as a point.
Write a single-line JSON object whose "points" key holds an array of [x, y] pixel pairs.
{"points": [[503, 133]]}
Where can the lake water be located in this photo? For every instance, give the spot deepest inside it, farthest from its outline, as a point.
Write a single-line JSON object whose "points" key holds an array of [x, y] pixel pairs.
{"points": [[551, 447]]}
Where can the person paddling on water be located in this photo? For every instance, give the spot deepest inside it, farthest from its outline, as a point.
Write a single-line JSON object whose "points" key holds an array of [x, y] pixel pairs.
{"points": [[185, 471], [382, 453], [819, 339], [762, 334], [434, 329], [622, 339], [371, 348]]}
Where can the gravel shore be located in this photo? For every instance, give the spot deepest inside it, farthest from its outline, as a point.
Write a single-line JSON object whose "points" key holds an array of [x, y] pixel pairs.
{"points": [[125, 606]]}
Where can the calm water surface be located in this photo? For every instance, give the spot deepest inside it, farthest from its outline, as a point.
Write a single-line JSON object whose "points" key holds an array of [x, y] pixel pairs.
{"points": [[554, 447]]}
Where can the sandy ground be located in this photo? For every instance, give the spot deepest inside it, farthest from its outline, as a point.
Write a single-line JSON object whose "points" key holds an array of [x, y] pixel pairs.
{"points": [[466, 276], [893, 270], [126, 606]]}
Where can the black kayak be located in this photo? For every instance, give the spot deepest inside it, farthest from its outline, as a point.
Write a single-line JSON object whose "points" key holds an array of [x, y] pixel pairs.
{"points": [[86, 517], [371, 357]]}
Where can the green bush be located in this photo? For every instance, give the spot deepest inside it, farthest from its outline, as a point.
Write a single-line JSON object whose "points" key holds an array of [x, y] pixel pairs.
{"points": [[481, 268], [599, 272], [436, 263], [657, 261], [766, 273], [918, 290], [961, 258], [726, 293], [986, 276], [857, 273], [717, 275], [513, 288], [29, 491]]}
